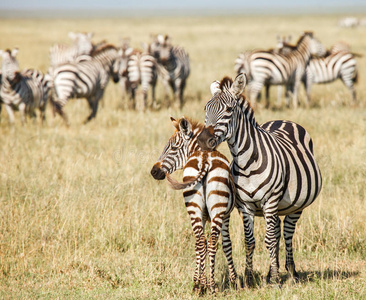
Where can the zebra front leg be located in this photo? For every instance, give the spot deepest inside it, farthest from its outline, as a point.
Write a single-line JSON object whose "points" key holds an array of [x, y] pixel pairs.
{"points": [[22, 112], [248, 222], [288, 233], [227, 248], [272, 243]]}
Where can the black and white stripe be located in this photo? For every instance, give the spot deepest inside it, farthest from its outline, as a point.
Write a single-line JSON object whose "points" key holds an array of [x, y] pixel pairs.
{"points": [[174, 68], [136, 68], [273, 167], [23, 91], [209, 195], [268, 67], [86, 79], [80, 50], [339, 63]]}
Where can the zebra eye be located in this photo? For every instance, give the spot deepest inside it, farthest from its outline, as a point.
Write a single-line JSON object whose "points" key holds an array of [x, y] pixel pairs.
{"points": [[229, 109]]}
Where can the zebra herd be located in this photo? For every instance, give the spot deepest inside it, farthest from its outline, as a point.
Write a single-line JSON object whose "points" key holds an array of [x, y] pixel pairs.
{"points": [[83, 70], [273, 172], [289, 65]]}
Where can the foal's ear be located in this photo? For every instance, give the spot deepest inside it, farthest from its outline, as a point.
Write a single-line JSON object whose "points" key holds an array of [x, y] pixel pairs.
{"points": [[185, 127], [14, 52], [239, 84], [215, 87], [175, 123]]}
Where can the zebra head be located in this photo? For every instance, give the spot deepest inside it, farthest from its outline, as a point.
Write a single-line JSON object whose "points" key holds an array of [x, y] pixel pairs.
{"points": [[316, 48], [164, 51], [178, 149], [221, 112], [82, 42], [10, 66], [119, 68]]}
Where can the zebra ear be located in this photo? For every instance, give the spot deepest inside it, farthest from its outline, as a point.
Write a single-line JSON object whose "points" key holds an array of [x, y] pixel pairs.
{"points": [[14, 52], [90, 35], [175, 123], [215, 87], [239, 84], [160, 38], [185, 127], [72, 35]]}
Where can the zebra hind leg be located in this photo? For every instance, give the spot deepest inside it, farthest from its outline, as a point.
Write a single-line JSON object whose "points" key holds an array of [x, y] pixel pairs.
{"points": [[199, 278], [288, 233], [227, 248], [212, 249], [248, 221]]}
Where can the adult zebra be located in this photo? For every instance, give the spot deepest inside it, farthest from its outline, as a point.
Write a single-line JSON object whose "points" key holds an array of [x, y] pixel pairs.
{"points": [[80, 50], [339, 63], [174, 68], [209, 195], [136, 68], [267, 67], [86, 79], [274, 169], [25, 90]]}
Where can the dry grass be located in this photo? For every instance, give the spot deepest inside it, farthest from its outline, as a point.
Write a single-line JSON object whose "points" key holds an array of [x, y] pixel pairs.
{"points": [[81, 217]]}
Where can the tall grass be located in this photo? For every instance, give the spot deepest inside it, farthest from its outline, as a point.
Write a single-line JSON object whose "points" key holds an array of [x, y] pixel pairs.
{"points": [[81, 217]]}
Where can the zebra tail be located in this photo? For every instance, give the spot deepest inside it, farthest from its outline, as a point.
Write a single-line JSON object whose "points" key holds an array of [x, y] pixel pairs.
{"points": [[176, 185], [356, 54]]}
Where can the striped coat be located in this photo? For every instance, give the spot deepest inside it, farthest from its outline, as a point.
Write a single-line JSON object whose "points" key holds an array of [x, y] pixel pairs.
{"points": [[209, 194], [23, 91], [86, 79], [276, 69], [174, 67], [274, 168]]}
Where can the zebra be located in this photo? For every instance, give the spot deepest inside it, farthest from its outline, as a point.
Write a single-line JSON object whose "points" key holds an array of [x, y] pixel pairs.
{"points": [[209, 195], [274, 169], [79, 51], [136, 68], [173, 66], [23, 91], [339, 62], [86, 79], [271, 68]]}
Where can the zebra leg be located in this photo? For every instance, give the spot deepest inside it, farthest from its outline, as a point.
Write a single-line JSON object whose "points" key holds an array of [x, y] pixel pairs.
{"points": [[227, 248], [277, 234], [22, 112], [272, 244], [288, 232], [248, 221], [93, 103], [10, 112], [153, 103], [267, 96], [279, 96], [212, 248]]}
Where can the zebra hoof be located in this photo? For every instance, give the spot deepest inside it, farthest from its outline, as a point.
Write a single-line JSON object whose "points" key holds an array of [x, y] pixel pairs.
{"points": [[249, 278]]}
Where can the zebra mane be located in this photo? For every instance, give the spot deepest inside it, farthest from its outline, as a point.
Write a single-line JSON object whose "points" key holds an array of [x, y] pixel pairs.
{"points": [[306, 33], [103, 47], [226, 83]]}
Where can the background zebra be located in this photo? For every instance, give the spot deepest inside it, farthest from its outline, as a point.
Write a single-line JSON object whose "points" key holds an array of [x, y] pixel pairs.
{"points": [[267, 67], [23, 91], [274, 169], [174, 68], [209, 194], [339, 62], [86, 79], [80, 50], [136, 68]]}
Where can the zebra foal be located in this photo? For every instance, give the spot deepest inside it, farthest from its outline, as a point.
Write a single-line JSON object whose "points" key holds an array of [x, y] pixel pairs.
{"points": [[209, 195], [274, 169]]}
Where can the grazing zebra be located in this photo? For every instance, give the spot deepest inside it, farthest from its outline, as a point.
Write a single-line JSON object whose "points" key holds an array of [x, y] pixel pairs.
{"points": [[338, 63], [209, 195], [136, 68], [277, 69], [274, 169], [86, 79], [23, 91], [80, 50], [173, 65]]}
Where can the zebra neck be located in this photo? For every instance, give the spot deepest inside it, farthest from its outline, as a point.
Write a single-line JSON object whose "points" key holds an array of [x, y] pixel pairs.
{"points": [[301, 53], [246, 143], [171, 64]]}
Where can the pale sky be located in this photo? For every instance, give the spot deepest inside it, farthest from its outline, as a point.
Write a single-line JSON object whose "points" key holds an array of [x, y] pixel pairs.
{"points": [[242, 5]]}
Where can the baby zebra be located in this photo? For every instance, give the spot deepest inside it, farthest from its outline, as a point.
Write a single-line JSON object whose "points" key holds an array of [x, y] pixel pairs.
{"points": [[209, 195]]}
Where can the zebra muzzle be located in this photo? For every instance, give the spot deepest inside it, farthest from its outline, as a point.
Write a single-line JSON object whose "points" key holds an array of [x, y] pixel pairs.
{"points": [[157, 172]]}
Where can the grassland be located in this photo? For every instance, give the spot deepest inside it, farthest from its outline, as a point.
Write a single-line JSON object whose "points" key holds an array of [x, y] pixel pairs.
{"points": [[81, 217]]}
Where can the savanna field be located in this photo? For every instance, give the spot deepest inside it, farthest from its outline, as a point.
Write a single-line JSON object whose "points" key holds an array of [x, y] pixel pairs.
{"points": [[82, 218]]}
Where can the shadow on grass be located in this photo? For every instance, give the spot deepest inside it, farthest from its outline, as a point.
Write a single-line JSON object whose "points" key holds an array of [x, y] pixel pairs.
{"points": [[259, 279]]}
